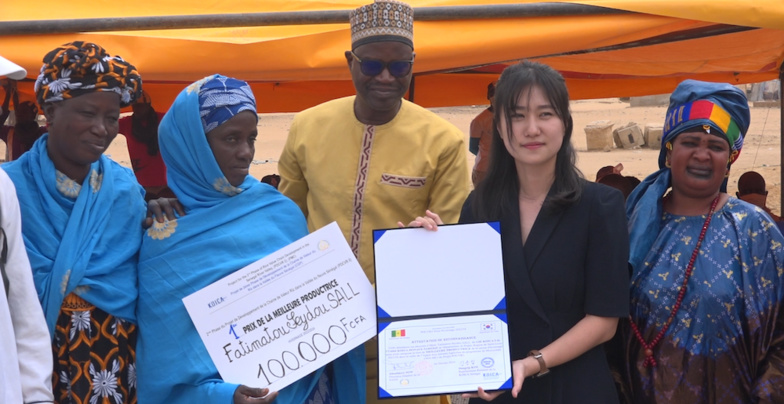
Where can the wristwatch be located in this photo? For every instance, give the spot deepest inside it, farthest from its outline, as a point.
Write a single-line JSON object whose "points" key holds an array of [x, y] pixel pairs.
{"points": [[542, 366]]}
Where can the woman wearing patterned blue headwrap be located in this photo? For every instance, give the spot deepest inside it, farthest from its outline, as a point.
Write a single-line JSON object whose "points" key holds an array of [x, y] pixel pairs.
{"points": [[81, 215], [707, 317], [207, 142]]}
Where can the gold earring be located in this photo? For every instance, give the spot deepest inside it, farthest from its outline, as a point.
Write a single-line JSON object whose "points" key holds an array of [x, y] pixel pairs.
{"points": [[667, 163]]}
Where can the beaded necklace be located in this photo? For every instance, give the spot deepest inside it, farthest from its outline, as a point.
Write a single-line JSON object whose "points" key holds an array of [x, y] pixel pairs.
{"points": [[649, 359]]}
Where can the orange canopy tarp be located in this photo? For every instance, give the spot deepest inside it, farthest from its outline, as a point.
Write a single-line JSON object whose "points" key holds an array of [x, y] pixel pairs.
{"points": [[294, 67]]}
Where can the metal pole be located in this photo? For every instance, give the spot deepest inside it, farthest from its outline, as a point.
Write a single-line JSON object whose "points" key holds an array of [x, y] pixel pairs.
{"points": [[41, 27], [703, 32]]}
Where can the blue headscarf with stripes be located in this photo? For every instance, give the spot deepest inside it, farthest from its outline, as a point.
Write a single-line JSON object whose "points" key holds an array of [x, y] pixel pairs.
{"points": [[221, 97], [191, 169]]}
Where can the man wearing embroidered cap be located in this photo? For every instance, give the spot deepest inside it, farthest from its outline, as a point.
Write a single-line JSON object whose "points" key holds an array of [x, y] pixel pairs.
{"points": [[707, 288], [81, 215], [369, 160]]}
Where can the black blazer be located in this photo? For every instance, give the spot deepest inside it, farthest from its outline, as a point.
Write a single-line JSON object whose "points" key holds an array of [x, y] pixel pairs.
{"points": [[574, 263]]}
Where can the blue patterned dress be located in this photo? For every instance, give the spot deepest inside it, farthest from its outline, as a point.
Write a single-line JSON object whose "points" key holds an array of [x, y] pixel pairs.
{"points": [[726, 342]]}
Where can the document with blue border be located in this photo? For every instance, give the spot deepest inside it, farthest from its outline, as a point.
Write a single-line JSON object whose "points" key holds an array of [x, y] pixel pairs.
{"points": [[442, 325]]}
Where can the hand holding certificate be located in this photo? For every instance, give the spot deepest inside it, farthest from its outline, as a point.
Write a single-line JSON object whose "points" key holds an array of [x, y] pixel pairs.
{"points": [[288, 314], [441, 310]]}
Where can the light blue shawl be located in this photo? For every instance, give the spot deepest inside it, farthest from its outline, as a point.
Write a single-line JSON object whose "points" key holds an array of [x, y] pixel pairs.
{"points": [[87, 245], [225, 229], [644, 210]]}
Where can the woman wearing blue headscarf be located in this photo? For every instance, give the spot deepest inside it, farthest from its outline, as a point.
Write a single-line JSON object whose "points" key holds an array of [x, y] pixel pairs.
{"points": [[707, 316], [81, 215], [207, 142]]}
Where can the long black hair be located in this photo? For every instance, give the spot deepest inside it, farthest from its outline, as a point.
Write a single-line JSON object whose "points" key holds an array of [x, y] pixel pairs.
{"points": [[498, 193]]}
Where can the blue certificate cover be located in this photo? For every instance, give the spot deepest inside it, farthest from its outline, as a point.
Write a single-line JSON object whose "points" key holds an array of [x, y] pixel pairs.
{"points": [[441, 310]]}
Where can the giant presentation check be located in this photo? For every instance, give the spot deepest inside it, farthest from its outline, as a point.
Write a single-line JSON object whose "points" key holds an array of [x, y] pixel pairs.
{"points": [[288, 314]]}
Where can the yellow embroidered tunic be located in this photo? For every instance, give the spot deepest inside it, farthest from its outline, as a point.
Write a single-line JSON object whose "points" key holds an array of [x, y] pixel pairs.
{"points": [[369, 177]]}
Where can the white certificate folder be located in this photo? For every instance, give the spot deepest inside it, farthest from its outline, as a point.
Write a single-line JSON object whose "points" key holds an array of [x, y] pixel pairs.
{"points": [[442, 325]]}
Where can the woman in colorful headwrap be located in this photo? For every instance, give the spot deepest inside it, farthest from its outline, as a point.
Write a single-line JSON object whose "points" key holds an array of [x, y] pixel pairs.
{"points": [[207, 142], [707, 291], [81, 215]]}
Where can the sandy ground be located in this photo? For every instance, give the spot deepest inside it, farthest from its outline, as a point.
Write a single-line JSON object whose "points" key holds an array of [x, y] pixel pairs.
{"points": [[761, 151]]}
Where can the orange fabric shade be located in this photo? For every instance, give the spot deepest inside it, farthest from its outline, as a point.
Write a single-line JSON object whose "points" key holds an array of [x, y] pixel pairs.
{"points": [[294, 67]]}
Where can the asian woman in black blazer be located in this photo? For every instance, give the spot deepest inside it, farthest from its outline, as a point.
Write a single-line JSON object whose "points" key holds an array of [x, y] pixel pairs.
{"points": [[565, 245]]}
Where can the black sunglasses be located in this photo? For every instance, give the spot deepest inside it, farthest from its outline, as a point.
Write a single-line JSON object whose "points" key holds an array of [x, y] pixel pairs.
{"points": [[370, 67]]}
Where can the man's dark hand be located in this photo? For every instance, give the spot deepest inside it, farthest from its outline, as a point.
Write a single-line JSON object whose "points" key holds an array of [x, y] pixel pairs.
{"points": [[162, 209]]}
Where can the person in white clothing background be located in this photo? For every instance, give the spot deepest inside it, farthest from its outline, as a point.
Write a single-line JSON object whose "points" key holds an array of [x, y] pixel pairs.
{"points": [[25, 348]]}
